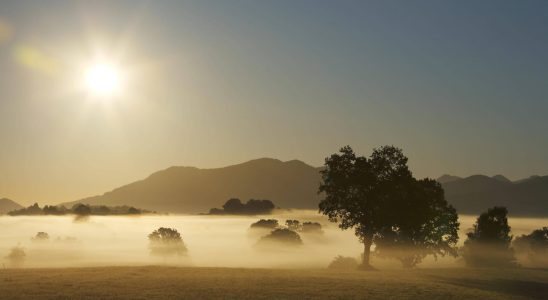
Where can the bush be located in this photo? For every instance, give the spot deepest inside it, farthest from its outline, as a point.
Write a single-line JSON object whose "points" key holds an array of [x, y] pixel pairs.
{"points": [[282, 236], [41, 237], [16, 257], [265, 224], [534, 247], [294, 225], [343, 263], [312, 227], [166, 242]]}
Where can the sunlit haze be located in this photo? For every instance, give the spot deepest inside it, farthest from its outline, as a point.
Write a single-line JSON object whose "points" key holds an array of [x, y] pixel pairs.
{"points": [[102, 79], [282, 149], [460, 86]]}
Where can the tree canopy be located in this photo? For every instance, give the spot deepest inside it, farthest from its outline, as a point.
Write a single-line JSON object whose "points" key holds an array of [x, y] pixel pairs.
{"points": [[488, 245], [534, 246], [281, 236], [265, 224], [234, 206], [166, 242], [385, 205]]}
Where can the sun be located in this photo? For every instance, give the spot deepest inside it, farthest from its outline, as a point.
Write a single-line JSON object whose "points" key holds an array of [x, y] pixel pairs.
{"points": [[102, 79]]}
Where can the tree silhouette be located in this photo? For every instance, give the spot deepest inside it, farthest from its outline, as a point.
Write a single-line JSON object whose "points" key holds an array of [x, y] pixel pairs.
{"points": [[81, 209], [166, 242], [41, 237], [424, 224], [311, 227], [282, 236], [343, 263], [534, 246], [265, 224], [16, 257], [294, 225], [53, 210], [234, 206], [488, 245], [386, 206]]}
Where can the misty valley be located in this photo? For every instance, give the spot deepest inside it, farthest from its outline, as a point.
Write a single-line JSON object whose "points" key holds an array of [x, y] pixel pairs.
{"points": [[281, 149], [211, 241]]}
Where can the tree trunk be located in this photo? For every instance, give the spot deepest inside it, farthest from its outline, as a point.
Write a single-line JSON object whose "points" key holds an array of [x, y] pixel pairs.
{"points": [[367, 242]]}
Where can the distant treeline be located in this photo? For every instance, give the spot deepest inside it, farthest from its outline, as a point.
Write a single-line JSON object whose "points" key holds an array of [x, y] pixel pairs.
{"points": [[78, 209], [235, 206]]}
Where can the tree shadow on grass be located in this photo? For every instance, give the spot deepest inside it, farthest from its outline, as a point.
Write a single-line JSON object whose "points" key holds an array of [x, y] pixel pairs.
{"points": [[531, 289]]}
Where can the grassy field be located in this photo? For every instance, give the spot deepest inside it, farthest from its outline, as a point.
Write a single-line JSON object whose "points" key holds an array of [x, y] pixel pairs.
{"points": [[227, 283]]}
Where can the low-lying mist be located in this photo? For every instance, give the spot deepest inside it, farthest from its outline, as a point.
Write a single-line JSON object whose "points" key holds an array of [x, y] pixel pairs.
{"points": [[212, 241]]}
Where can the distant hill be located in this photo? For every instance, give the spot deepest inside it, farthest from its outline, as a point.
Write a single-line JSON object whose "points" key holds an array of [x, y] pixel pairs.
{"points": [[448, 178], [7, 205], [290, 184], [474, 194], [294, 184]]}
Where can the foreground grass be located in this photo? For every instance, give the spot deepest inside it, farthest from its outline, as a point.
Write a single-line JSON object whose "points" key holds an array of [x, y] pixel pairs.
{"points": [[225, 283]]}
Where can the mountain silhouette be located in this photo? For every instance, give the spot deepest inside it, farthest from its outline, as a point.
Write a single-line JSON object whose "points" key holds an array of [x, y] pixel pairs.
{"points": [[447, 178], [7, 205], [471, 195], [290, 184], [294, 184]]}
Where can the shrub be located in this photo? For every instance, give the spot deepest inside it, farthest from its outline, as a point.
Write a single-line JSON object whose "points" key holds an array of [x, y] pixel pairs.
{"points": [[41, 237], [294, 225], [265, 224], [343, 263], [534, 247], [282, 236], [16, 257], [312, 227]]}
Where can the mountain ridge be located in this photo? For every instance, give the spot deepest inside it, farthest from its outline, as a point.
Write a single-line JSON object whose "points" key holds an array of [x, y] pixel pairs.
{"points": [[294, 184], [289, 184], [7, 205]]}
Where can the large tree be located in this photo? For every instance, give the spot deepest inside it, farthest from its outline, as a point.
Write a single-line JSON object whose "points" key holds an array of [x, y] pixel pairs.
{"points": [[379, 198]]}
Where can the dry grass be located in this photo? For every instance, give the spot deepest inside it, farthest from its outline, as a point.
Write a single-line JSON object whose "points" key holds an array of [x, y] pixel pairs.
{"points": [[225, 283]]}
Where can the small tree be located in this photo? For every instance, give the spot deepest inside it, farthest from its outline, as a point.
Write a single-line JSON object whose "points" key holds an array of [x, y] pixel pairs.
{"points": [[294, 225], [81, 209], [233, 206], [312, 227], [41, 237], [488, 245], [257, 207], [166, 242], [534, 247], [265, 224], [16, 257], [133, 211], [52, 210], [385, 205], [283, 236]]}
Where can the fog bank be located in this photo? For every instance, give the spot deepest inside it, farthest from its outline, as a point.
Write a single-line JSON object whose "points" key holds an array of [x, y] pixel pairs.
{"points": [[212, 241]]}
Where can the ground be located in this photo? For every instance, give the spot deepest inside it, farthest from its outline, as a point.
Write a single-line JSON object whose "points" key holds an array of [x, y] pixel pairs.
{"points": [[231, 283]]}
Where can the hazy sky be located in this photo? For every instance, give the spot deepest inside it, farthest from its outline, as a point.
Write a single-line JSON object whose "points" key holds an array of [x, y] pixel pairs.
{"points": [[461, 86]]}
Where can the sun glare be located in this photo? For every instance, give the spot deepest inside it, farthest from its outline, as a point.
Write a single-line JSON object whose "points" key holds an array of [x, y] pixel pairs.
{"points": [[102, 79]]}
